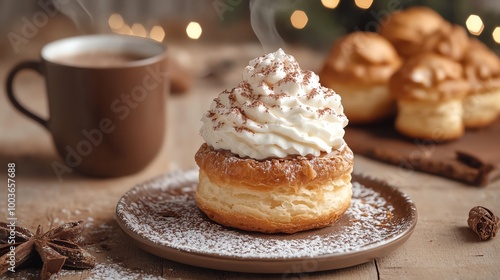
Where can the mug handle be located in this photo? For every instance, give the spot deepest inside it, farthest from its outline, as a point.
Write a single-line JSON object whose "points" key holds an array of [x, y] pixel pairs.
{"points": [[28, 65]]}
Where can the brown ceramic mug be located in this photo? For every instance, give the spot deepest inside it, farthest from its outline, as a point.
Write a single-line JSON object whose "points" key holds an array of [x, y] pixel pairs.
{"points": [[107, 97]]}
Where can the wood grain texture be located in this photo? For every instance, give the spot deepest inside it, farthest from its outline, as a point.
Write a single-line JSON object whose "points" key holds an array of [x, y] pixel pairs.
{"points": [[442, 247]]}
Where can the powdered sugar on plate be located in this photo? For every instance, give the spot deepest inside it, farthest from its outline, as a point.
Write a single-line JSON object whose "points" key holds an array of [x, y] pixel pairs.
{"points": [[163, 212]]}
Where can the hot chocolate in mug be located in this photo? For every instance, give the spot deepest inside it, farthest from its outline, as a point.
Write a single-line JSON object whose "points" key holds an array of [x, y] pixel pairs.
{"points": [[107, 97]]}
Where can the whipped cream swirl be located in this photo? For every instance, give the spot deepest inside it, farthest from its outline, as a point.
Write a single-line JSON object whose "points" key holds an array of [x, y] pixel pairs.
{"points": [[278, 110]]}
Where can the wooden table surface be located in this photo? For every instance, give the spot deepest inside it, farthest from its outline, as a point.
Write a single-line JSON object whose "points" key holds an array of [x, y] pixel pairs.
{"points": [[441, 247]]}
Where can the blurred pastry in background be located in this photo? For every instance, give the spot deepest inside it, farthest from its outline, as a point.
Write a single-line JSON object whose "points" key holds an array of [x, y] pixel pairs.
{"points": [[408, 29], [451, 41], [181, 79], [429, 90], [482, 70], [358, 68]]}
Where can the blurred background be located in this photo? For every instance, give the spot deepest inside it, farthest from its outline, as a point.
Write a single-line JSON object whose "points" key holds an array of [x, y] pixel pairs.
{"points": [[314, 24]]}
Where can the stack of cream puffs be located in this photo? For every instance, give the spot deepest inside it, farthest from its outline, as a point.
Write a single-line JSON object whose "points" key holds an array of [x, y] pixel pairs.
{"points": [[482, 70], [359, 67], [409, 29], [429, 90], [442, 81]]}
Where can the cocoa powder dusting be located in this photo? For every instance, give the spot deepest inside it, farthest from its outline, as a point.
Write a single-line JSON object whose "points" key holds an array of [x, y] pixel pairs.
{"points": [[210, 114], [328, 92], [307, 75], [258, 103], [242, 128], [289, 78], [246, 91], [219, 125], [322, 112], [232, 97], [312, 94], [218, 104], [268, 69], [277, 96]]}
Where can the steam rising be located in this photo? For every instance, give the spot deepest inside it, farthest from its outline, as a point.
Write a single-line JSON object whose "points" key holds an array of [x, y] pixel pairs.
{"points": [[85, 13], [262, 18], [78, 12]]}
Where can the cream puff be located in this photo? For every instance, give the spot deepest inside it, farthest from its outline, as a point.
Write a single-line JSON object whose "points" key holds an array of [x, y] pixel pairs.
{"points": [[451, 41], [359, 67], [274, 158], [482, 70], [408, 29], [429, 90]]}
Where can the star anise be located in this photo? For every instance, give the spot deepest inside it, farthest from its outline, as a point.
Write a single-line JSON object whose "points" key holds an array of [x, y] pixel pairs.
{"points": [[56, 248]]}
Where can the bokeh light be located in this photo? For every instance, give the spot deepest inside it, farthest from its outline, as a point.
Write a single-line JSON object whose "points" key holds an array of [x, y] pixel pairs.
{"points": [[124, 30], [115, 21], [363, 4], [193, 30], [299, 19], [496, 34], [330, 4], [139, 30], [157, 33], [474, 24]]}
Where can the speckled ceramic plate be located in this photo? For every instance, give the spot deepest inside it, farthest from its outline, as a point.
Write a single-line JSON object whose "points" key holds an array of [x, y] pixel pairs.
{"points": [[162, 218]]}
